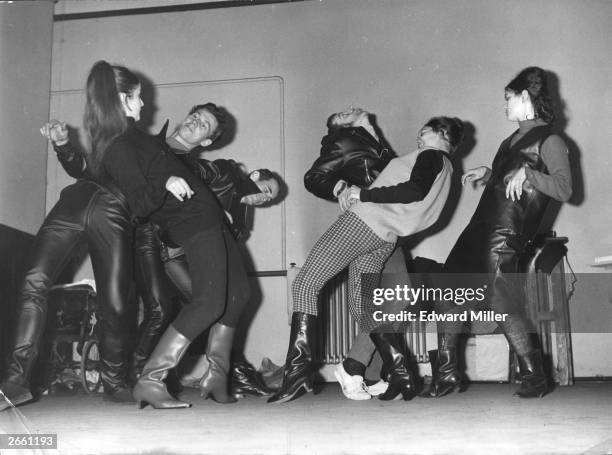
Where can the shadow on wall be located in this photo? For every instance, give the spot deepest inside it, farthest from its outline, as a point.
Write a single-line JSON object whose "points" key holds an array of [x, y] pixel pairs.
{"points": [[560, 124]]}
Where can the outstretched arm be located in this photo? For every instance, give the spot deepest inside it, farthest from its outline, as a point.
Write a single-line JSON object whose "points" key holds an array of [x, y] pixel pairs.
{"points": [[68, 155], [427, 166]]}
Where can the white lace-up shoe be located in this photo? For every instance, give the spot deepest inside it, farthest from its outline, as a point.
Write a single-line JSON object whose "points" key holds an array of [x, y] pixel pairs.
{"points": [[377, 389], [353, 387]]}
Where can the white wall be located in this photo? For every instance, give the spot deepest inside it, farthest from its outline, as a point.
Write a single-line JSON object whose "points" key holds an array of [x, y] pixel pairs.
{"points": [[25, 62], [406, 61]]}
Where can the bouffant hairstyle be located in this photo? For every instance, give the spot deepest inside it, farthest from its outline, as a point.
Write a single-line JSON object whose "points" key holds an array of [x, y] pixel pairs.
{"points": [[451, 127], [533, 79]]}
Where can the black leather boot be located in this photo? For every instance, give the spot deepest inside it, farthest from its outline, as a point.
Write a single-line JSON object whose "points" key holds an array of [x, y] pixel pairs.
{"points": [[399, 378], [534, 383], [150, 388], [114, 380], [297, 373], [22, 358], [445, 374], [215, 382], [245, 380]]}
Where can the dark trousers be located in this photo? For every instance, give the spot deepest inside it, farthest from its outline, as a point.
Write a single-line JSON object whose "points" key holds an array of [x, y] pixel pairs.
{"points": [[85, 213], [219, 283], [153, 287]]}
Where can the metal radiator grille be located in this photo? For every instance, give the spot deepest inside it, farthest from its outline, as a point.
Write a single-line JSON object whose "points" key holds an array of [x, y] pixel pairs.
{"points": [[337, 328]]}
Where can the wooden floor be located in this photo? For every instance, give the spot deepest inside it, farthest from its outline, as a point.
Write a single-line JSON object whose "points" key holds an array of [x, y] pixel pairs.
{"points": [[486, 419]]}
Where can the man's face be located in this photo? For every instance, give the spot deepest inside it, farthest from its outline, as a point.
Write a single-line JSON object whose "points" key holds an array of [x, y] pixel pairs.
{"points": [[196, 128], [350, 117], [269, 189]]}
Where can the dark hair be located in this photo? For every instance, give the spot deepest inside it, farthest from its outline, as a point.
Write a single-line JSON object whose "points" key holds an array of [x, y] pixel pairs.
{"points": [[266, 174], [104, 118], [533, 79], [217, 113], [451, 127]]}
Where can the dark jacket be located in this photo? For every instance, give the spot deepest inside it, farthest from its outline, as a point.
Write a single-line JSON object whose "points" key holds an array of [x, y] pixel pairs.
{"points": [[140, 165], [349, 154]]}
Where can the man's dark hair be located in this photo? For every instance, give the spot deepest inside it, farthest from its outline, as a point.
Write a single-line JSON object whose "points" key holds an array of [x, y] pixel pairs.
{"points": [[266, 174], [217, 113]]}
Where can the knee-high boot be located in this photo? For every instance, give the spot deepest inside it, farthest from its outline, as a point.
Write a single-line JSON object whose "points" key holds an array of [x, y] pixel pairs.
{"points": [[215, 383], [444, 368], [15, 385], [534, 382], [297, 374], [400, 379], [150, 388]]}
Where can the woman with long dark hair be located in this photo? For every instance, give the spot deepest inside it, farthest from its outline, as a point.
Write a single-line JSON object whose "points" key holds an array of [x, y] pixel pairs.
{"points": [[531, 168], [159, 187]]}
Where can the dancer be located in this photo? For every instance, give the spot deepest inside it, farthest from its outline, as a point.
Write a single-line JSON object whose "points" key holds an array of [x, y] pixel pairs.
{"points": [[146, 171], [92, 212], [363, 238], [530, 168], [353, 153]]}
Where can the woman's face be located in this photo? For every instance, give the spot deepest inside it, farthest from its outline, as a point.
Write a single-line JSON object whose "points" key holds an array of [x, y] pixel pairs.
{"points": [[427, 137], [518, 106], [132, 103]]}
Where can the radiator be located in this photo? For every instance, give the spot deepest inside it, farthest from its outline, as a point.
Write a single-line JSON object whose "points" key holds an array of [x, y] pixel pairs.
{"points": [[337, 328]]}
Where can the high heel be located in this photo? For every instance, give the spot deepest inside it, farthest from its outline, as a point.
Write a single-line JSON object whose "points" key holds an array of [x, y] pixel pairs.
{"points": [[214, 384], [399, 378], [297, 373], [150, 388]]}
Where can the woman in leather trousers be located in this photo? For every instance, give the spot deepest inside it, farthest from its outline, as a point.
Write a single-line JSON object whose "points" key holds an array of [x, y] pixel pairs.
{"points": [[151, 284], [530, 168], [86, 213]]}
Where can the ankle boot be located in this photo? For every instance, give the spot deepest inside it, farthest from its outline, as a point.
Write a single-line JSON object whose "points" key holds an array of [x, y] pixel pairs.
{"points": [[399, 378], [215, 382], [245, 380], [534, 383], [297, 373], [150, 388]]}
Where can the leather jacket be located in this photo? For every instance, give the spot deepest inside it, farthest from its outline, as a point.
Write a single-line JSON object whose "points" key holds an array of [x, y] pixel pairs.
{"points": [[349, 154], [229, 182]]}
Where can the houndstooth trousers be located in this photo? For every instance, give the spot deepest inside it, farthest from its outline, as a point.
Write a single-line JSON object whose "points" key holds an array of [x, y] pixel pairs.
{"points": [[349, 241]]}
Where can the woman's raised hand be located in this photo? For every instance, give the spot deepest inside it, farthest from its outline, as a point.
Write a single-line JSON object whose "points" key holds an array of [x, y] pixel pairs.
{"points": [[179, 188], [55, 131], [480, 173]]}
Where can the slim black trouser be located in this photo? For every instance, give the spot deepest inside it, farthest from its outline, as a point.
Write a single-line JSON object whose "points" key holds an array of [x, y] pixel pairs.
{"points": [[152, 286], [219, 283], [85, 213]]}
